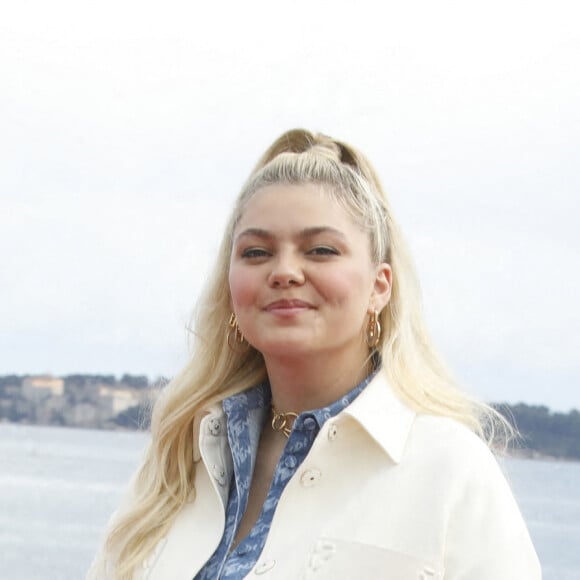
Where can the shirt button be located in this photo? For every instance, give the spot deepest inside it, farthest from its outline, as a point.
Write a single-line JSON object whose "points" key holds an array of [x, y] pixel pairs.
{"points": [[332, 432], [290, 462], [310, 423], [264, 567], [215, 426], [310, 477], [219, 474]]}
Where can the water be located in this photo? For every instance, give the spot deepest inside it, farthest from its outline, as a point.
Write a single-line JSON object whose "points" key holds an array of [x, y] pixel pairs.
{"points": [[548, 493], [58, 487]]}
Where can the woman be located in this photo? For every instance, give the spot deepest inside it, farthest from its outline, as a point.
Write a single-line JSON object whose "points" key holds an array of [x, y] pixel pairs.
{"points": [[315, 433]]}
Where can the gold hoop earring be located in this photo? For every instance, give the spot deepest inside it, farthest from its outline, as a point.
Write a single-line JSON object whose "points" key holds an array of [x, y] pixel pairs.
{"points": [[373, 334], [235, 338]]}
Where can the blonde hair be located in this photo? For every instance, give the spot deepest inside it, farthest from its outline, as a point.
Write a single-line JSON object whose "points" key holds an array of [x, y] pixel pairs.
{"points": [[165, 480]]}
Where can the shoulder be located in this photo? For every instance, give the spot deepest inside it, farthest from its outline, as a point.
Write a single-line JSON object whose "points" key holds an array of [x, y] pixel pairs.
{"points": [[448, 445], [486, 534], [447, 439], [409, 436]]}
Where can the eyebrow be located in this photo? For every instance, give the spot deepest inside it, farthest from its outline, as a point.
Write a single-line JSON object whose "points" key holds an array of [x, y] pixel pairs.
{"points": [[304, 233]]}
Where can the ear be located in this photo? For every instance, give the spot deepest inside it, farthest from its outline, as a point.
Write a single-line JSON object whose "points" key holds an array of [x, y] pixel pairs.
{"points": [[382, 287]]}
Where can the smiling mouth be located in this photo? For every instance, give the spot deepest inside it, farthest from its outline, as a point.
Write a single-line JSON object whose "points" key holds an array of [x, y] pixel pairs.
{"points": [[288, 306]]}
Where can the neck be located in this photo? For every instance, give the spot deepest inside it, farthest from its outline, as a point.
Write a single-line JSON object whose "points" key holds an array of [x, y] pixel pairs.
{"points": [[307, 383]]}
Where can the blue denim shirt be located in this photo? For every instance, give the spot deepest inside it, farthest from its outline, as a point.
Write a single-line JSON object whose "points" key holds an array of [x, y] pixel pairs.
{"points": [[246, 414]]}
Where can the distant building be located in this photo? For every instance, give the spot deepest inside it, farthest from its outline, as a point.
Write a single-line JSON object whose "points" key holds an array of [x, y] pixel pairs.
{"points": [[114, 401], [92, 401], [12, 390], [81, 415], [42, 400], [42, 387]]}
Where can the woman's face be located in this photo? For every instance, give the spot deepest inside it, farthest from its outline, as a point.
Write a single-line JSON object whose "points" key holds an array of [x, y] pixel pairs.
{"points": [[301, 277]]}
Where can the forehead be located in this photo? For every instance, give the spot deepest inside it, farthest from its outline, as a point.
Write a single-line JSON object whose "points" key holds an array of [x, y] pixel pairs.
{"points": [[283, 205]]}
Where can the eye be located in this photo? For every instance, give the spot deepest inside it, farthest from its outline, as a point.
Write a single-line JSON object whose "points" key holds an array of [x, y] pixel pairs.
{"points": [[323, 251], [254, 253]]}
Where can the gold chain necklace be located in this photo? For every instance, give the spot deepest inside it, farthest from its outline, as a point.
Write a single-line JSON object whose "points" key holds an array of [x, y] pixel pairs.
{"points": [[283, 421]]}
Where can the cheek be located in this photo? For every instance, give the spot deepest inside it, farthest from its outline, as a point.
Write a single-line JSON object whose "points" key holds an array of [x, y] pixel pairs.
{"points": [[349, 288], [242, 288]]}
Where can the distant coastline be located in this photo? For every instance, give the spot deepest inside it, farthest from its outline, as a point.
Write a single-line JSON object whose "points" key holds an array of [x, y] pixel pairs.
{"points": [[108, 402], [544, 434]]}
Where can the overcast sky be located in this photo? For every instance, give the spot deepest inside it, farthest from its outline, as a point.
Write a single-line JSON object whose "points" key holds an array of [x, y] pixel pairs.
{"points": [[127, 129]]}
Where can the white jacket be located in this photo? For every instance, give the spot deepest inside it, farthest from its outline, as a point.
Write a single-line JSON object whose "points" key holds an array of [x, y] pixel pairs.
{"points": [[383, 493]]}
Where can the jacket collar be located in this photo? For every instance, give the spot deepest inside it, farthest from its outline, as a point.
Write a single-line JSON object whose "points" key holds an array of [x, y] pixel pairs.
{"points": [[383, 415]]}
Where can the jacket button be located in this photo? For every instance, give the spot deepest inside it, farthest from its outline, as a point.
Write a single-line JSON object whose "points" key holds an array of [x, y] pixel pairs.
{"points": [[310, 477], [264, 567], [332, 432], [219, 474], [215, 426]]}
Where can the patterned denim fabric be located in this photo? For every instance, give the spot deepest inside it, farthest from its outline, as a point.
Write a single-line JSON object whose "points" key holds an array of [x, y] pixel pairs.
{"points": [[246, 414]]}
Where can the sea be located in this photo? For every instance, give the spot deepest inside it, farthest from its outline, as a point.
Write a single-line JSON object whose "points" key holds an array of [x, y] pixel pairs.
{"points": [[58, 487]]}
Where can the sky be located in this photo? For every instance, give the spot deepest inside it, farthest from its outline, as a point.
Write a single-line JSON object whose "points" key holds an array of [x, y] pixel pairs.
{"points": [[127, 129]]}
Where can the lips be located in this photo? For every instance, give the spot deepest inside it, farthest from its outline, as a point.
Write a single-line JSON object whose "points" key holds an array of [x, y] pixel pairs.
{"points": [[288, 305]]}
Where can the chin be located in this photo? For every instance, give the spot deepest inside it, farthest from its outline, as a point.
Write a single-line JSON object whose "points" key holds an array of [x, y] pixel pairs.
{"points": [[285, 348]]}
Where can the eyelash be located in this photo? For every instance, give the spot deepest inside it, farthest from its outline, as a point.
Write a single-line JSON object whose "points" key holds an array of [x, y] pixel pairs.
{"points": [[250, 253], [324, 251], [254, 253]]}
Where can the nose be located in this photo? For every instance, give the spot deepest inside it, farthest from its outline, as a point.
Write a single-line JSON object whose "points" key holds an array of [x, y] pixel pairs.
{"points": [[286, 271]]}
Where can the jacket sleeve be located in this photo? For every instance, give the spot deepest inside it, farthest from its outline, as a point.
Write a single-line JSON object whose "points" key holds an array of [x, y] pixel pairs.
{"points": [[487, 538]]}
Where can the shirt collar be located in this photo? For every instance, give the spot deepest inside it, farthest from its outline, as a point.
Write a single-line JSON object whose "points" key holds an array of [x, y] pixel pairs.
{"points": [[253, 399], [324, 413], [385, 417], [259, 398]]}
